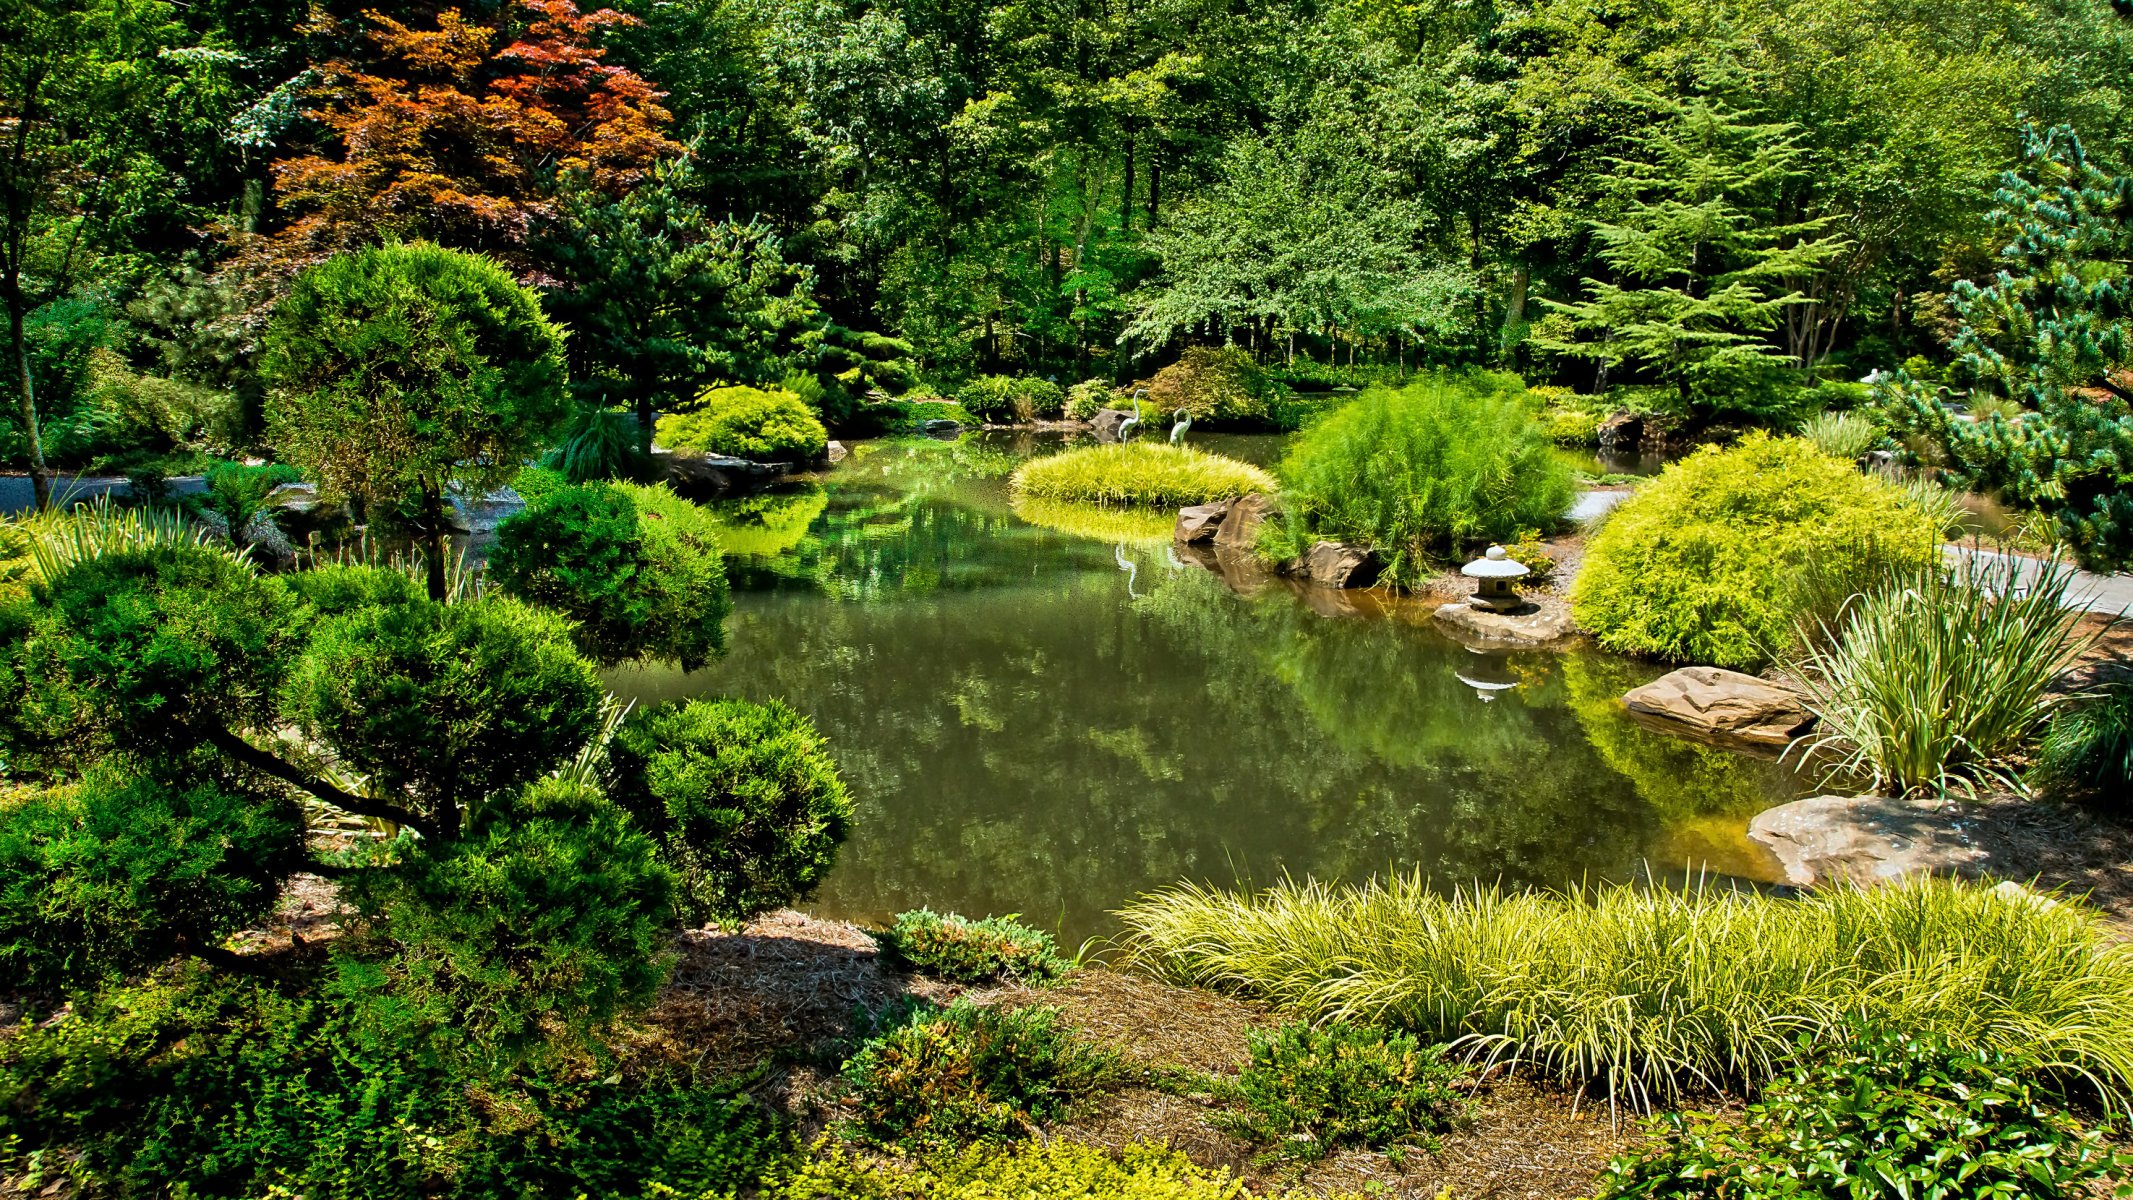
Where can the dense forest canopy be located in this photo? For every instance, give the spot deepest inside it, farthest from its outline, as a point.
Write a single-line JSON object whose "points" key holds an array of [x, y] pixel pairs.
{"points": [[1574, 190]]}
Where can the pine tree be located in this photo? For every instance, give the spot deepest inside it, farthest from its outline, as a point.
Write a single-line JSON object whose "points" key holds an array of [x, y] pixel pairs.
{"points": [[1701, 256], [2052, 332]]}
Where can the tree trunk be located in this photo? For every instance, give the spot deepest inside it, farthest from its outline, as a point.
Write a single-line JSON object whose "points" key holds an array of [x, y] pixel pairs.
{"points": [[26, 396], [1155, 185], [1125, 216], [439, 542], [644, 425]]}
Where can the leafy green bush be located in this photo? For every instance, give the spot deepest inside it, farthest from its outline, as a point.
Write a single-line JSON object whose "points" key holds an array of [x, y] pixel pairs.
{"points": [[1312, 1090], [308, 1083], [236, 493], [598, 443], [1215, 383], [1054, 1170], [746, 422], [1001, 398], [1571, 427], [637, 568], [939, 1078], [743, 799], [1430, 469], [961, 950], [1708, 562], [1846, 435], [1932, 678], [1084, 398], [1889, 1115], [2088, 747], [1150, 474], [1641, 993]]}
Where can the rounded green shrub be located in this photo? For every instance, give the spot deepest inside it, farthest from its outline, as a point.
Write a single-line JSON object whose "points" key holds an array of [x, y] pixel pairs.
{"points": [[637, 568], [1148, 474], [746, 422], [1215, 383], [1002, 398], [1084, 398], [1310, 1090], [1432, 469], [956, 948], [743, 799], [1709, 562]]}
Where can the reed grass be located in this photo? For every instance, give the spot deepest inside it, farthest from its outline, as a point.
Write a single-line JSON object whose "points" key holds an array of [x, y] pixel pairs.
{"points": [[1930, 680], [1642, 995], [1842, 434], [59, 538], [1139, 474]]}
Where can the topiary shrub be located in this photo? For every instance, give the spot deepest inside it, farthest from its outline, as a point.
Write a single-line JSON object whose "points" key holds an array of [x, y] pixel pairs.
{"points": [[637, 568], [1309, 1090], [988, 397], [746, 422], [743, 799], [1138, 473], [945, 1077], [1709, 562], [961, 950], [1432, 469], [1894, 1114], [1215, 383]]}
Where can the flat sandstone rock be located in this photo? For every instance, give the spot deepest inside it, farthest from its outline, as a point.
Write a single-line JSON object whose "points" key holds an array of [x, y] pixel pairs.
{"points": [[1866, 840], [1726, 704], [1534, 625]]}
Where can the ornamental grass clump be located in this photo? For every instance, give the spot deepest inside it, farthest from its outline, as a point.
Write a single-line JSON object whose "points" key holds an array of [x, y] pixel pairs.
{"points": [[2088, 748], [1641, 995], [1846, 435], [1426, 471], [1139, 474], [1930, 680], [1710, 562]]}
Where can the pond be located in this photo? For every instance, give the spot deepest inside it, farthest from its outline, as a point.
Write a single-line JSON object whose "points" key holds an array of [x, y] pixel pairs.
{"points": [[1051, 721]]}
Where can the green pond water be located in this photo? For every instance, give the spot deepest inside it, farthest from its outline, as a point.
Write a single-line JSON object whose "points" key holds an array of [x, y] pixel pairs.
{"points": [[1048, 712]]}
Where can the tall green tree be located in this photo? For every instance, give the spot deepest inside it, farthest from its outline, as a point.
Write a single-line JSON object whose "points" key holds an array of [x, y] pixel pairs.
{"points": [[1702, 258], [402, 371], [2051, 332]]}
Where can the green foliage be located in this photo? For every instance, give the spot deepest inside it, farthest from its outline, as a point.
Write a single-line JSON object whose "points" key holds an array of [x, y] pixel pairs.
{"points": [[1847, 435], [195, 1084], [1708, 562], [745, 422], [743, 799], [1215, 383], [1430, 469], [1571, 426], [638, 570], [1930, 680], [1084, 398], [599, 443], [2049, 332], [1640, 994], [134, 414], [958, 949], [1311, 1090], [100, 880], [447, 705], [1004, 398], [940, 1078], [1052, 1170], [1884, 1114], [236, 493], [1147, 474], [2088, 747]]}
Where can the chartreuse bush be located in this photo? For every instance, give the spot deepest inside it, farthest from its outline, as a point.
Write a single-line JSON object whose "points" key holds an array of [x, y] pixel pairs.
{"points": [[1887, 1114], [1310, 1090], [1710, 562], [1057, 1170], [743, 799], [638, 569], [1426, 471], [1642, 994], [1143, 474], [937, 1078], [958, 949], [746, 422]]}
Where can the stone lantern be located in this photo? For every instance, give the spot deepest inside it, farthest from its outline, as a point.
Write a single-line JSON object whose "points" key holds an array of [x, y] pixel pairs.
{"points": [[1494, 572]]}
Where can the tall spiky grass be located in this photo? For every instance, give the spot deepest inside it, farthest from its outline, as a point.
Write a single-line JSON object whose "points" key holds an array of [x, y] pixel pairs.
{"points": [[1145, 474], [1640, 995], [1929, 680], [1843, 434], [59, 538]]}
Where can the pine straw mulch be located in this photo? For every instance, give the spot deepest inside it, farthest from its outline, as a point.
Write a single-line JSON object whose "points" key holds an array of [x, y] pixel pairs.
{"points": [[782, 1001]]}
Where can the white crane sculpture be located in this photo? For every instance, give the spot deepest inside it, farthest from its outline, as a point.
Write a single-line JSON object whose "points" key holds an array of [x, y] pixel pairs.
{"points": [[1184, 422]]}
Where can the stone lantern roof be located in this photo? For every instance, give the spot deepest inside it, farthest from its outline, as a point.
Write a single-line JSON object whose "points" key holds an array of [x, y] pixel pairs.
{"points": [[1494, 565]]}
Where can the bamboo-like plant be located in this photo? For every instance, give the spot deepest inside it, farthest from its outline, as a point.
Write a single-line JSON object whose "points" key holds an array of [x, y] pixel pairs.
{"points": [[61, 538], [1927, 681]]}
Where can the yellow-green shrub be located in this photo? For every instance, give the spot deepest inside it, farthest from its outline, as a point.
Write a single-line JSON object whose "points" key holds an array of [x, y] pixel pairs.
{"points": [[1708, 562], [747, 422], [1148, 474], [1056, 1171]]}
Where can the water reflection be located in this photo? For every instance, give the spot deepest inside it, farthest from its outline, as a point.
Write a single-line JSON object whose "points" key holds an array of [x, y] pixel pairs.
{"points": [[1025, 734]]}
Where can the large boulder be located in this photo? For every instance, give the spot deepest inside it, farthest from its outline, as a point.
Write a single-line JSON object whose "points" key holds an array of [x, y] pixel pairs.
{"points": [[707, 476], [1106, 422], [1865, 840], [1199, 523], [480, 515], [1525, 626], [1622, 431], [1240, 526], [1338, 565], [1723, 705]]}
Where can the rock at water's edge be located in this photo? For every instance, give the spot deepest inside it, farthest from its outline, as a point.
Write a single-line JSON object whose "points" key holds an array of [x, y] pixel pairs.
{"points": [[1106, 422], [835, 452], [1200, 522], [1532, 625], [1715, 702], [699, 476], [1621, 431], [1337, 565], [1240, 526], [1865, 840]]}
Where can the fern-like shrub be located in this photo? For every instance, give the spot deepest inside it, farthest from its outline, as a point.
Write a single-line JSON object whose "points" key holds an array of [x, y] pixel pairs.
{"points": [[745, 422]]}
